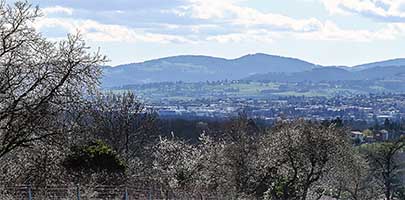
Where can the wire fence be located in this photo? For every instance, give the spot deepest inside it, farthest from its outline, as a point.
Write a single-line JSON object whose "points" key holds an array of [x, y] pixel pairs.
{"points": [[27, 192]]}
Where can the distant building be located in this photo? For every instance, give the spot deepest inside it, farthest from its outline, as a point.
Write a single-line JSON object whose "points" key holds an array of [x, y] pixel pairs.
{"points": [[357, 136], [369, 139], [384, 135]]}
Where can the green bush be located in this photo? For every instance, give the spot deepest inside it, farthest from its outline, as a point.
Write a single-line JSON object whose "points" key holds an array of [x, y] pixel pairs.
{"points": [[94, 157]]}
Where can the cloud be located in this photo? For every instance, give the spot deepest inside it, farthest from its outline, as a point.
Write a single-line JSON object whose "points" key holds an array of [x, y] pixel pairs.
{"points": [[254, 25], [384, 10], [57, 10], [228, 12], [255, 36], [107, 5], [330, 31], [194, 21], [191, 13], [98, 32]]}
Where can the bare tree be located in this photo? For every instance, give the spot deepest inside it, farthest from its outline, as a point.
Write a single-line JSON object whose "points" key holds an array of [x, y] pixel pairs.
{"points": [[386, 164], [241, 153], [39, 80], [214, 175], [176, 166], [304, 153], [122, 121], [350, 179]]}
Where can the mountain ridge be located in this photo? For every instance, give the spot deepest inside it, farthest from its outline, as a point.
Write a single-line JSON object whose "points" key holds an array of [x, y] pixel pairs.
{"points": [[197, 68], [191, 68], [384, 63]]}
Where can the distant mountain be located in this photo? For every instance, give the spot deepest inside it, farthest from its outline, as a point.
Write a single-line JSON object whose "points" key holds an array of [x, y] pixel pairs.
{"points": [[250, 67], [257, 63], [201, 68], [383, 72], [387, 63]]}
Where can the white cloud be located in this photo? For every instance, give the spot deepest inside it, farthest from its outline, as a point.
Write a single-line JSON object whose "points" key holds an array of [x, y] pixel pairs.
{"points": [[57, 10], [328, 32], [256, 36], [224, 21], [386, 10], [229, 12], [331, 31], [267, 27], [98, 32]]}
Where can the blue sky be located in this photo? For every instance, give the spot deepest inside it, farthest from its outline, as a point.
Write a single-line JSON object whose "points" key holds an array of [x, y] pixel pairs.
{"points": [[328, 32]]}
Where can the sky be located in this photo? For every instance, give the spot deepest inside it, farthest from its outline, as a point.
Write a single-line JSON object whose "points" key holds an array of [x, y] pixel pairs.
{"points": [[326, 32]]}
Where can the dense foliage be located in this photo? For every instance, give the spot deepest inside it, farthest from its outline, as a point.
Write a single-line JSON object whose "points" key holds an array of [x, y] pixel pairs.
{"points": [[95, 157]]}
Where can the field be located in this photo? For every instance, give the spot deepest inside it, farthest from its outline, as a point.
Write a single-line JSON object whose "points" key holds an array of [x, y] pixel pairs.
{"points": [[181, 91]]}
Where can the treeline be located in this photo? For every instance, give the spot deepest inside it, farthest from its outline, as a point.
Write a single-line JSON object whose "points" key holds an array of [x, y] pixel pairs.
{"points": [[56, 128]]}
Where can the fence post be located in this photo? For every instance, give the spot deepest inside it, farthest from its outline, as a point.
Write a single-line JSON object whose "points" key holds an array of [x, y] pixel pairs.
{"points": [[78, 191], [29, 192], [126, 194], [150, 194]]}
